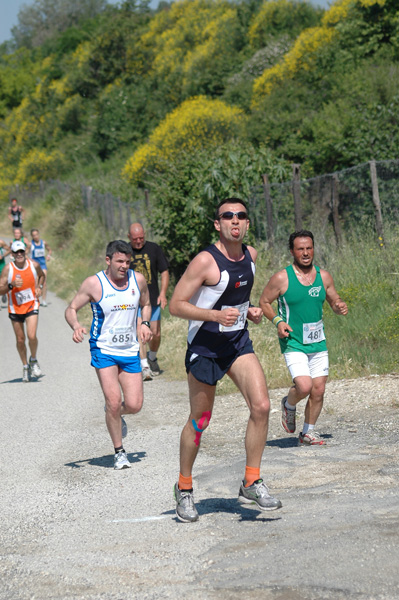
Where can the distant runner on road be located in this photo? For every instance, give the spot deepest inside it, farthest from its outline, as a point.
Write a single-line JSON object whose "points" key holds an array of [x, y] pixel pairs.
{"points": [[115, 296], [16, 213], [22, 281], [214, 295], [301, 289], [38, 252]]}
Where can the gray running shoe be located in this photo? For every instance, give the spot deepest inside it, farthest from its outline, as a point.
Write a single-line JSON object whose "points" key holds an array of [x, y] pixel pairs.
{"points": [[35, 370], [258, 493], [287, 417], [185, 507], [124, 427], [25, 375], [311, 438], [154, 366], [121, 461], [147, 375]]}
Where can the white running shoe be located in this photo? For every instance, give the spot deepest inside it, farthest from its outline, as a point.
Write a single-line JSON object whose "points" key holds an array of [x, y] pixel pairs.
{"points": [[35, 370], [147, 375], [121, 461], [25, 375], [43, 303]]}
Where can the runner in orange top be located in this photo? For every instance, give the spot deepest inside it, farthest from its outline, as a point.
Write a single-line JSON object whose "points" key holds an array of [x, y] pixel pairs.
{"points": [[22, 280]]}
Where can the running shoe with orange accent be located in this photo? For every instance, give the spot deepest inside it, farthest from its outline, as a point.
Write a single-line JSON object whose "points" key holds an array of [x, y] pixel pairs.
{"points": [[258, 493], [185, 507], [311, 438]]}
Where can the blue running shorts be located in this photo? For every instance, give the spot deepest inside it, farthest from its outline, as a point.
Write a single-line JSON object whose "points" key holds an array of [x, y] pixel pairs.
{"points": [[130, 364]]}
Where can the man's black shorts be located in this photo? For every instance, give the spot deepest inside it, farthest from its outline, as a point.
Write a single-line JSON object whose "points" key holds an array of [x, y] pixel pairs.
{"points": [[211, 370], [21, 318]]}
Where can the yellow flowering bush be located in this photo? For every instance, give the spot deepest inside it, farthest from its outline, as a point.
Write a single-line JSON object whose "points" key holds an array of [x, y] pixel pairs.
{"points": [[277, 17], [301, 56], [40, 164], [305, 50], [196, 123], [182, 43], [340, 10]]}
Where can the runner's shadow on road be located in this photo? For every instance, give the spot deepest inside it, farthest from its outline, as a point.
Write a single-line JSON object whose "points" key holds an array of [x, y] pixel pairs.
{"points": [[19, 380], [292, 442], [106, 461], [233, 507]]}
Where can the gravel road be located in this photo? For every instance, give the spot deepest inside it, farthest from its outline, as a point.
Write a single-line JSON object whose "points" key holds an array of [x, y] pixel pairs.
{"points": [[73, 528]]}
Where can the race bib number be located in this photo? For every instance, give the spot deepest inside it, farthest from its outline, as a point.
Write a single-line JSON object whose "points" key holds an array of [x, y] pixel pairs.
{"points": [[39, 253], [241, 319], [120, 336], [313, 332], [24, 296]]}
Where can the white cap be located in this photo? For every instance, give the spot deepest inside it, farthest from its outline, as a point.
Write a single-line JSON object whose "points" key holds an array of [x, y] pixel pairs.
{"points": [[17, 245]]}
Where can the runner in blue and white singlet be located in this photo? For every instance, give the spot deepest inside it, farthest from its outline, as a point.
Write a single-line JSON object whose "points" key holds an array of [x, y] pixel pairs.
{"points": [[38, 253], [115, 296], [114, 327]]}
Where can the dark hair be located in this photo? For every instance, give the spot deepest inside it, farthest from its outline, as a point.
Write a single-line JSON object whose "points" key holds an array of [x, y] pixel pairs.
{"points": [[229, 201], [297, 234], [34, 229], [118, 246]]}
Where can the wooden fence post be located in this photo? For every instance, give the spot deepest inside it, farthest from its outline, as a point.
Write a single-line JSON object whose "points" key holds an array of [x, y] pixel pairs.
{"points": [[296, 190], [377, 205], [334, 208], [269, 211]]}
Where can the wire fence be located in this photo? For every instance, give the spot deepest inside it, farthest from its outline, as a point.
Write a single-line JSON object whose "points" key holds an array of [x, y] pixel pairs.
{"points": [[367, 193]]}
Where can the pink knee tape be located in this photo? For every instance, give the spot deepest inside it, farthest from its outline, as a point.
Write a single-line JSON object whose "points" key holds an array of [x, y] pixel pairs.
{"points": [[206, 416]]}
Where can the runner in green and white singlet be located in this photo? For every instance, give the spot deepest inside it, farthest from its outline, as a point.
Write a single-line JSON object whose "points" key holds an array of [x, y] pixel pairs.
{"points": [[301, 306], [301, 290]]}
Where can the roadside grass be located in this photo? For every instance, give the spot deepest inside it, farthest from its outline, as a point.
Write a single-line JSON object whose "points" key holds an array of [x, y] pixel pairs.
{"points": [[366, 276]]}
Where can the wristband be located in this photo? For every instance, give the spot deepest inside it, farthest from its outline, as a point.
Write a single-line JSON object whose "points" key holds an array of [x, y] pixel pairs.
{"points": [[276, 320], [146, 323], [10, 286]]}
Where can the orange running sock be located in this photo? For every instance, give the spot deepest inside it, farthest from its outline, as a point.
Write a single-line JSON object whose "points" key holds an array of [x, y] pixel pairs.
{"points": [[185, 483], [251, 475]]}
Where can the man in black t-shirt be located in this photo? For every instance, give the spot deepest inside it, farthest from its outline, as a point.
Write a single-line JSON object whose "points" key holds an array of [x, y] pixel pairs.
{"points": [[149, 259]]}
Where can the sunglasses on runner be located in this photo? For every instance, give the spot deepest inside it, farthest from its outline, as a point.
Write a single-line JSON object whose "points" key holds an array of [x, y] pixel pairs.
{"points": [[228, 215], [19, 252]]}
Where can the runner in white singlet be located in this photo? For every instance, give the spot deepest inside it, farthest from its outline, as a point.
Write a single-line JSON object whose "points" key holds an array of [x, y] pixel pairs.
{"points": [[115, 296]]}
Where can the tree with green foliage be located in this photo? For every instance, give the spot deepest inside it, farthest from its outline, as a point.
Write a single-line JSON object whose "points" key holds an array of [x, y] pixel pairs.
{"points": [[186, 191], [43, 19]]}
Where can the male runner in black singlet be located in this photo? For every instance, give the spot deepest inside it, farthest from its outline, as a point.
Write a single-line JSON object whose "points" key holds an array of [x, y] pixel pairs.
{"points": [[214, 295]]}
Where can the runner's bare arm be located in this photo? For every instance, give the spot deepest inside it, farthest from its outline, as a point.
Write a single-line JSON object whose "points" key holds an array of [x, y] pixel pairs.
{"points": [[40, 279], [332, 296], [276, 286], [202, 270], [162, 300], [48, 249], [6, 247], [4, 280], [255, 313], [89, 291], [144, 332]]}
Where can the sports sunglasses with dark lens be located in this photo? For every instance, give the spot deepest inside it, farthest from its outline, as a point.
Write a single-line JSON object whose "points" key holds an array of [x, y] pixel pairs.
{"points": [[228, 215]]}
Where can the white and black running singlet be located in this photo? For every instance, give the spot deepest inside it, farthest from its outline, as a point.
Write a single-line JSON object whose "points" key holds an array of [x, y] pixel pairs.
{"points": [[113, 329], [211, 339]]}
